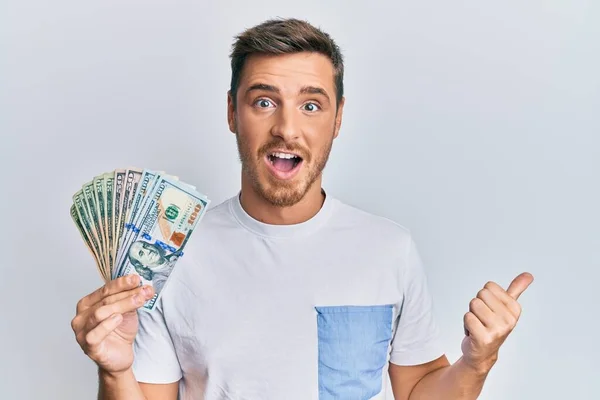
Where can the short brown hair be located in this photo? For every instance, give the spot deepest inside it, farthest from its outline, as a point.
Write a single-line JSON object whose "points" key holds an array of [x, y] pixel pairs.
{"points": [[285, 36]]}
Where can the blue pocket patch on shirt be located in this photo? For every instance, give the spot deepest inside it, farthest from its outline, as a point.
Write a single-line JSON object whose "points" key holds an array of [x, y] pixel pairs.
{"points": [[353, 348]]}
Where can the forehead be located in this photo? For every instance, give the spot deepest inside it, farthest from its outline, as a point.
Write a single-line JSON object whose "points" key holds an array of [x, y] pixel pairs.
{"points": [[289, 71]]}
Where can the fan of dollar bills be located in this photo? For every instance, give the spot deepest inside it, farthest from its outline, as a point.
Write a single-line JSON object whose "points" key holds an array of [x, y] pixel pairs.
{"points": [[137, 221]]}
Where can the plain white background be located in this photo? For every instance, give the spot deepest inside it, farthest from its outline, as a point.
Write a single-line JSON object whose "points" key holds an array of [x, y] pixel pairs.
{"points": [[475, 124]]}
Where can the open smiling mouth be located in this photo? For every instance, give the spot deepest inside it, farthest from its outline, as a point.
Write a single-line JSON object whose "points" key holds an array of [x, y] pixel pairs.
{"points": [[283, 165]]}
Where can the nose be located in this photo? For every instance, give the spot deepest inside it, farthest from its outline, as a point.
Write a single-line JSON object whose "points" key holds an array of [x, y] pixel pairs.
{"points": [[286, 124]]}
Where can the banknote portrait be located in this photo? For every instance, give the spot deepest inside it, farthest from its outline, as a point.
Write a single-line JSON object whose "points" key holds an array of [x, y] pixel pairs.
{"points": [[151, 262]]}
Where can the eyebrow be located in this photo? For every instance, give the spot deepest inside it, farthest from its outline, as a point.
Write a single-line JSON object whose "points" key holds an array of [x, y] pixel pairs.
{"points": [[262, 86], [303, 90], [314, 90]]}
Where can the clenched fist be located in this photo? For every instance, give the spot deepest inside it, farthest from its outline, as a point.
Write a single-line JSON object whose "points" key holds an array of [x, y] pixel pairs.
{"points": [[106, 322], [492, 316]]}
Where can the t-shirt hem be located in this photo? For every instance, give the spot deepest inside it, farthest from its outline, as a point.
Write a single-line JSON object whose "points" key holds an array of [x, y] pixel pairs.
{"points": [[417, 357], [153, 377]]}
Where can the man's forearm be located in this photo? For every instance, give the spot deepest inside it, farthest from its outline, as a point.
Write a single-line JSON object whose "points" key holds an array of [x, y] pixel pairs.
{"points": [[122, 386], [458, 381]]}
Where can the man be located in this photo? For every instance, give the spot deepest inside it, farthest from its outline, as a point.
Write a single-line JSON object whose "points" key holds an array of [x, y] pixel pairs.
{"points": [[287, 292]]}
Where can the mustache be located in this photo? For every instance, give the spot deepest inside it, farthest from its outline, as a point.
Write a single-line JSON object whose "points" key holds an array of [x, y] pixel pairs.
{"points": [[281, 145]]}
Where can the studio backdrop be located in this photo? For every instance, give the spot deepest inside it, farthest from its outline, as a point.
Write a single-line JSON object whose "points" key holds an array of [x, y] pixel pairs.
{"points": [[473, 124]]}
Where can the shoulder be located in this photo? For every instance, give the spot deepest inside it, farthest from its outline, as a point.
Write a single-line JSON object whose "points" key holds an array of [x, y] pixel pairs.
{"points": [[369, 224], [219, 209], [218, 214]]}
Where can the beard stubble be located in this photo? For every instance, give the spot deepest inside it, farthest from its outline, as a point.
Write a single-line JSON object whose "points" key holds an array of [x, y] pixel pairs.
{"points": [[275, 192]]}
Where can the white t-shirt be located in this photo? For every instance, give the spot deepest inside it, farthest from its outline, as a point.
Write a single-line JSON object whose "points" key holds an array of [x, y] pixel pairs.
{"points": [[308, 311]]}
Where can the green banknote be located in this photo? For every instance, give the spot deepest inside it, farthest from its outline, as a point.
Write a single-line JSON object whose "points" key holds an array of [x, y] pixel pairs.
{"points": [[108, 228], [166, 222], [100, 203], [132, 179], [83, 218], [84, 235], [119, 178], [137, 221]]}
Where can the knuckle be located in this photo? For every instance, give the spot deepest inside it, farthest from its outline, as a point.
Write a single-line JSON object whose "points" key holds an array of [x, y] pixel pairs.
{"points": [[97, 315], [105, 301], [135, 300], [511, 321], [124, 281], [75, 323], [79, 305], [105, 291], [88, 339], [473, 303], [481, 293], [489, 285], [518, 308], [80, 339]]}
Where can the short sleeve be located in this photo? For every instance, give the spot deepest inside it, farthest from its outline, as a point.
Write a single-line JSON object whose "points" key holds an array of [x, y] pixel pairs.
{"points": [[417, 338], [155, 360]]}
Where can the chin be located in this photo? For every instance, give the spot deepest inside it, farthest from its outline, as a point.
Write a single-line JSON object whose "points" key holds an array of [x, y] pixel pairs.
{"points": [[283, 194]]}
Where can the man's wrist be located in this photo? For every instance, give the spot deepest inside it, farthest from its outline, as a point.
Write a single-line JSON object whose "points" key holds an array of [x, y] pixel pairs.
{"points": [[479, 369], [115, 376]]}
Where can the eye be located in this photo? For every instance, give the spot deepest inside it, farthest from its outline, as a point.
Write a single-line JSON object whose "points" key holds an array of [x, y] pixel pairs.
{"points": [[311, 107], [141, 253], [263, 103]]}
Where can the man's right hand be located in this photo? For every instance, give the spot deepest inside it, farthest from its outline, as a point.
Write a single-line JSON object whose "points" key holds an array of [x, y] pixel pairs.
{"points": [[106, 322]]}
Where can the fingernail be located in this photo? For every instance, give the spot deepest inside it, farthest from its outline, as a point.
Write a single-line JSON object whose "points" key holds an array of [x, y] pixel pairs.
{"points": [[137, 299], [131, 279], [147, 291]]}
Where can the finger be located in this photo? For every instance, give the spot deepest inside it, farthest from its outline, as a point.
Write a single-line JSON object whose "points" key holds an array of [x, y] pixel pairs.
{"points": [[519, 285], [491, 300], [147, 291], [130, 303], [473, 326], [112, 287], [99, 333], [81, 320], [482, 312], [511, 304], [499, 292]]}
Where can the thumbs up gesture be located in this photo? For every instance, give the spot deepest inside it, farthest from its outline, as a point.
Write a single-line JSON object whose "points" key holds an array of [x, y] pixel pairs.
{"points": [[492, 316]]}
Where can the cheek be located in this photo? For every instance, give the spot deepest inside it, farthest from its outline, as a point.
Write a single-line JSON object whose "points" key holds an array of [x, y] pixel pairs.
{"points": [[252, 130], [318, 133]]}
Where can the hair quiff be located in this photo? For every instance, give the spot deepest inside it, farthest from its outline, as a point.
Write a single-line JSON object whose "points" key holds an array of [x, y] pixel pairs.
{"points": [[284, 36]]}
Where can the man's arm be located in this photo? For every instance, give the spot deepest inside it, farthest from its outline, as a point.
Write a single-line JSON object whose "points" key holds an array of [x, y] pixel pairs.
{"points": [[124, 386], [436, 380], [492, 316], [405, 378]]}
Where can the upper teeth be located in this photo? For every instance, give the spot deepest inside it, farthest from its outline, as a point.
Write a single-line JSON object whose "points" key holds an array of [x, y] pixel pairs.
{"points": [[283, 155]]}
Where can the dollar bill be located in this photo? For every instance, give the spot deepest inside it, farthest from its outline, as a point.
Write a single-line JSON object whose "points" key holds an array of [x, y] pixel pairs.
{"points": [[145, 186], [108, 228], [84, 236], [132, 179], [85, 221], [137, 221], [100, 206], [119, 178], [167, 219]]}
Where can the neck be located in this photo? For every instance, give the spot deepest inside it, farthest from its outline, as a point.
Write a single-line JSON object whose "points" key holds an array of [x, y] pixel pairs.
{"points": [[260, 209]]}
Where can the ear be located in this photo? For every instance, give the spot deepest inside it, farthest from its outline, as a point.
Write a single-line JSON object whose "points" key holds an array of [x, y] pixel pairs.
{"points": [[338, 117], [231, 113]]}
